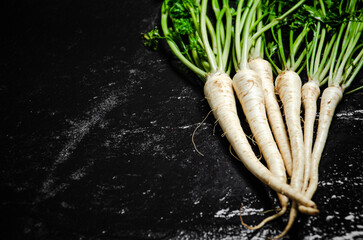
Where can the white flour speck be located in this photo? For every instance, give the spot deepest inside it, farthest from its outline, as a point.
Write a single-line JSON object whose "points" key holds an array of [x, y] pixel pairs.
{"points": [[349, 217]]}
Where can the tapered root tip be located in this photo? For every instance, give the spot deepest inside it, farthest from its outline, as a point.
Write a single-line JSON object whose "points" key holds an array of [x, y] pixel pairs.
{"points": [[279, 236], [287, 229], [292, 217], [308, 210], [311, 205]]}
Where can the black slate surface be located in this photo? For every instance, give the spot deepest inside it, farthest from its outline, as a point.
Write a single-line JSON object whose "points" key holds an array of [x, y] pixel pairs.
{"points": [[96, 138]]}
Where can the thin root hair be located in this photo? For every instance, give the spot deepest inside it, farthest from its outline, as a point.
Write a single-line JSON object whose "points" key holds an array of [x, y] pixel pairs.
{"points": [[252, 139], [279, 212], [231, 152], [214, 127], [195, 130]]}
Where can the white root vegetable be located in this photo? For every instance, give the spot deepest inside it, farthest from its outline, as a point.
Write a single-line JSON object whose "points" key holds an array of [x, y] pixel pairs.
{"points": [[346, 60], [288, 85], [330, 98], [247, 86], [219, 93], [309, 93], [264, 70], [204, 48]]}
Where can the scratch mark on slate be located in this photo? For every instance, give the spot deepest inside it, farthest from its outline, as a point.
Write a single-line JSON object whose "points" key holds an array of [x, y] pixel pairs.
{"points": [[351, 115], [79, 130]]}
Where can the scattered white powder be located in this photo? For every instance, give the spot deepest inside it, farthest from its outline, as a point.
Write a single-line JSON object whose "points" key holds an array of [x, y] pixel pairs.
{"points": [[234, 233], [351, 115], [350, 217], [350, 236], [227, 214], [221, 213], [90, 118], [76, 133], [312, 237]]}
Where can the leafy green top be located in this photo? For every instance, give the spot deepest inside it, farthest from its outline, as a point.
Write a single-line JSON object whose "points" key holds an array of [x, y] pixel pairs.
{"points": [[192, 37]]}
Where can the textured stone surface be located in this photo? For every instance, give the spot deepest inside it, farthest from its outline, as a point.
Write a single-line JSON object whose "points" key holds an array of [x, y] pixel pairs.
{"points": [[96, 138]]}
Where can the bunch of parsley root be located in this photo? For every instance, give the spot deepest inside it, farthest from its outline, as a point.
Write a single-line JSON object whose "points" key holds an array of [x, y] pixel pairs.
{"points": [[251, 54]]}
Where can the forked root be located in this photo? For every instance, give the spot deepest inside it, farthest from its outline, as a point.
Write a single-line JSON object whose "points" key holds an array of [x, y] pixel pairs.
{"points": [[290, 223], [281, 211]]}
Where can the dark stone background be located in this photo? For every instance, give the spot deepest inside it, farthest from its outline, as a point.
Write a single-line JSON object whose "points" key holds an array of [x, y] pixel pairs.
{"points": [[96, 138]]}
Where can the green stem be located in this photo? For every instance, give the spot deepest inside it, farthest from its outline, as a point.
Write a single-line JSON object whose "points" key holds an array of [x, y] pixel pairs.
{"points": [[245, 38], [242, 26], [208, 49], [227, 46], [277, 20], [349, 34], [217, 10], [276, 69], [354, 90], [322, 7], [321, 33], [299, 60], [212, 34], [219, 43], [259, 44], [347, 55], [313, 59], [358, 66], [292, 52], [195, 19], [334, 53], [281, 48], [319, 51], [237, 31], [324, 64], [174, 48]]}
